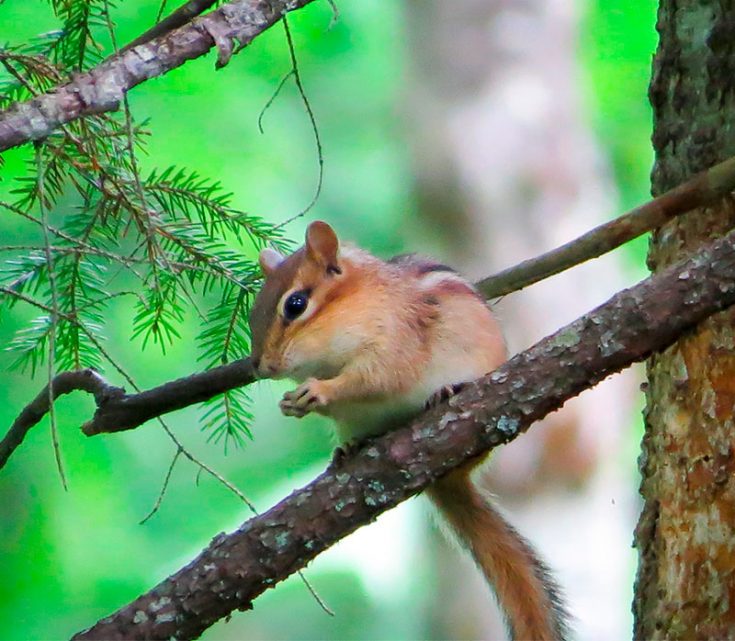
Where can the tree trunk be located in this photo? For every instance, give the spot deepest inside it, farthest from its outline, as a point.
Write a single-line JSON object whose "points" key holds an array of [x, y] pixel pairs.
{"points": [[685, 587]]}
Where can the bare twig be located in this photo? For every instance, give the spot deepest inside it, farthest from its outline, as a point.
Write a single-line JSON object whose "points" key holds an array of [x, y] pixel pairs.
{"points": [[703, 189], [164, 487], [205, 468], [53, 317], [161, 9], [271, 100], [335, 13], [236, 568], [312, 121]]}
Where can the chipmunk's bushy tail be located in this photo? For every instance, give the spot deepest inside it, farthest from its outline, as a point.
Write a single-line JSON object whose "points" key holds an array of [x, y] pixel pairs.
{"points": [[523, 586]]}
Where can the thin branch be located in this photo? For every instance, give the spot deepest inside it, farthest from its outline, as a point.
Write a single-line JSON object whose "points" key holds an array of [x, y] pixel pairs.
{"points": [[701, 190], [335, 13], [129, 411], [232, 26], [271, 100], [161, 9], [32, 302], [76, 241], [17, 75], [236, 568], [53, 317], [203, 466], [164, 487], [312, 120]]}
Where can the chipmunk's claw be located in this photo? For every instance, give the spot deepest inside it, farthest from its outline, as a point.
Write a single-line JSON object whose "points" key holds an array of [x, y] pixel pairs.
{"points": [[344, 451], [442, 394], [306, 398]]}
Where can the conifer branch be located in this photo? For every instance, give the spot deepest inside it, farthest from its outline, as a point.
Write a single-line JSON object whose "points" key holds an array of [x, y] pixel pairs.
{"points": [[176, 232], [231, 27]]}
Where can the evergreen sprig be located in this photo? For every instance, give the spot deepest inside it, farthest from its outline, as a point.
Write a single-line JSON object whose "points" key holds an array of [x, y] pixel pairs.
{"points": [[28, 71], [224, 337], [171, 243], [77, 47]]}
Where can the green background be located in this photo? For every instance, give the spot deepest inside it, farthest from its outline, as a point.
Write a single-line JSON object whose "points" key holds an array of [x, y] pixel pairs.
{"points": [[68, 558]]}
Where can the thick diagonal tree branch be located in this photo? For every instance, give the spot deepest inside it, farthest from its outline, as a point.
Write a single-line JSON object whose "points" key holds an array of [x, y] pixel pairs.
{"points": [[236, 568], [234, 25]]}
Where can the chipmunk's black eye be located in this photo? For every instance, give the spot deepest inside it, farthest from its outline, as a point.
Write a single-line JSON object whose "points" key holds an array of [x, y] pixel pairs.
{"points": [[295, 305]]}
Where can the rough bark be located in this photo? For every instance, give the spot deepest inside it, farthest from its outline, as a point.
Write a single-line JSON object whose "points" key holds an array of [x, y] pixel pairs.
{"points": [[236, 568], [685, 587]]}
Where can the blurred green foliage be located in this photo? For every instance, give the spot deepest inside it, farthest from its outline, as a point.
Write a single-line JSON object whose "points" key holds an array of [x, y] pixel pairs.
{"points": [[617, 42], [69, 558]]}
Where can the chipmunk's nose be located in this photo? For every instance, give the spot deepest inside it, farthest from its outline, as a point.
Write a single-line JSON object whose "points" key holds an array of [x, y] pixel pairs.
{"points": [[263, 367]]}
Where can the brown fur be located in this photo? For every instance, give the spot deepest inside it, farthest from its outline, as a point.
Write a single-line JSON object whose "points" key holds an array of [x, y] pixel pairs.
{"points": [[376, 341], [521, 582]]}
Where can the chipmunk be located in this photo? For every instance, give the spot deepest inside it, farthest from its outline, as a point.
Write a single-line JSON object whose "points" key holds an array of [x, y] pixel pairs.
{"points": [[371, 342]]}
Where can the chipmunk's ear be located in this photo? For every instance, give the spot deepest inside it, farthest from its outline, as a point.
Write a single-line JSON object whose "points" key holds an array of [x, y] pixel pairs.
{"points": [[269, 260], [322, 246]]}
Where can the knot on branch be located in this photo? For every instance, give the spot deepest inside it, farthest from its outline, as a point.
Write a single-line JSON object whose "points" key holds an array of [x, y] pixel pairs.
{"points": [[87, 380]]}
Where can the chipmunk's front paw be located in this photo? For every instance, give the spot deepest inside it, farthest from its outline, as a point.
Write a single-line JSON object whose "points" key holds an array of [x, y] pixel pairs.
{"points": [[307, 397]]}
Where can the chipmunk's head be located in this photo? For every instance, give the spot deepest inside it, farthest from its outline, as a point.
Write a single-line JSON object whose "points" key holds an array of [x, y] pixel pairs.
{"points": [[287, 322]]}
